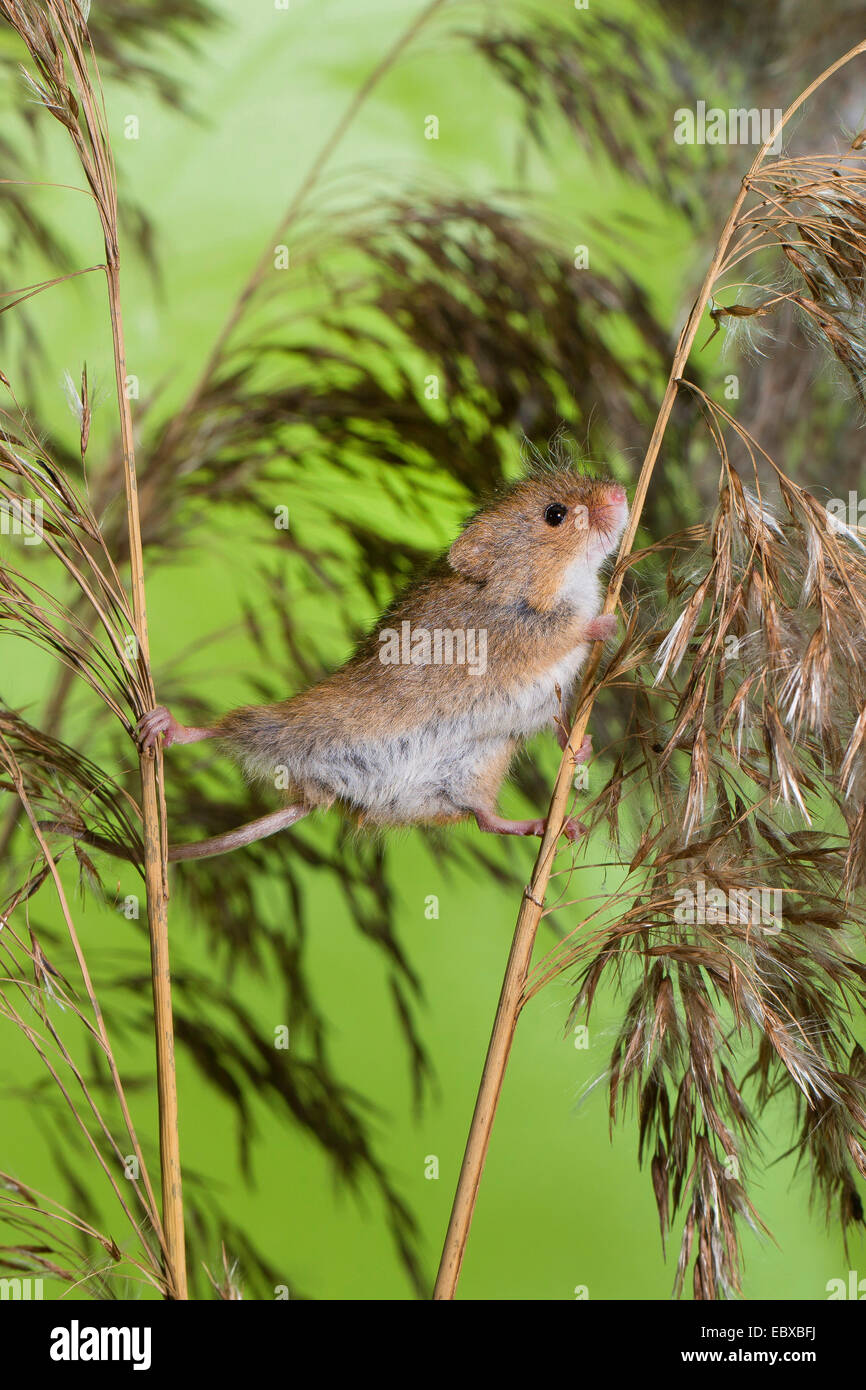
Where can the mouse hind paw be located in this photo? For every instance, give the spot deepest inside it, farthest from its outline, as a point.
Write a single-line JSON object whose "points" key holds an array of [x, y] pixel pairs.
{"points": [[492, 824], [161, 721]]}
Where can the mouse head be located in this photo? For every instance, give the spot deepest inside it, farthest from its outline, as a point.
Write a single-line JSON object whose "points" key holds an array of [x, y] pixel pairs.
{"points": [[545, 540]]}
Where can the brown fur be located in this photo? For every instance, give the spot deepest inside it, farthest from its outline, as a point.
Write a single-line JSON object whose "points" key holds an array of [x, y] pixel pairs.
{"points": [[501, 574], [432, 739]]}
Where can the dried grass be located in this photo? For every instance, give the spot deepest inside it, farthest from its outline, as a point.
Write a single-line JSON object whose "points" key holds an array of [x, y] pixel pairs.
{"points": [[742, 759], [740, 774]]}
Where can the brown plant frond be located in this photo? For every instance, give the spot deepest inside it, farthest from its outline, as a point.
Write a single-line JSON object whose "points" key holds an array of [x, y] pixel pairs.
{"points": [[811, 207], [602, 76], [67, 790], [45, 509], [58, 1244], [735, 808], [738, 756], [745, 737], [518, 339], [132, 39]]}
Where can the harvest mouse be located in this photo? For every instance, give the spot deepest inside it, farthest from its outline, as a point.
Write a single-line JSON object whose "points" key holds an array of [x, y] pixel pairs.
{"points": [[422, 722]]}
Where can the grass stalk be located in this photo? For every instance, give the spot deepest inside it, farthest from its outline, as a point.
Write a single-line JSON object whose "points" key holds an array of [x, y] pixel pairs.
{"points": [[512, 996], [155, 850], [66, 80]]}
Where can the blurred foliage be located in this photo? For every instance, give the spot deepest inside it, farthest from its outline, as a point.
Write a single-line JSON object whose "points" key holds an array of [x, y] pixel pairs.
{"points": [[320, 387]]}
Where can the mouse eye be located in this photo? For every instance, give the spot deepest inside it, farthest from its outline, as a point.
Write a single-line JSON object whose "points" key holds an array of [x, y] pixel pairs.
{"points": [[555, 514]]}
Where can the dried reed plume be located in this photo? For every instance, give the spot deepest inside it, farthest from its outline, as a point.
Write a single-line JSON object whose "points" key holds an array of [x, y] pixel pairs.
{"points": [[742, 757], [725, 756], [64, 80]]}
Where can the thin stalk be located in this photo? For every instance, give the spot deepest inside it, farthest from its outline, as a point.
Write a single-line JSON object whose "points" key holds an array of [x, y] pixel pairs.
{"points": [[65, 679], [56, 36], [512, 997], [101, 1033], [155, 851]]}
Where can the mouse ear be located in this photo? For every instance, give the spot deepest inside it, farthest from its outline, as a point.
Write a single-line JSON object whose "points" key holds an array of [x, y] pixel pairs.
{"points": [[469, 554]]}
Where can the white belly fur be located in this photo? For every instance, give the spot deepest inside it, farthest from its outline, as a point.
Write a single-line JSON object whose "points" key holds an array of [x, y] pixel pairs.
{"points": [[434, 769]]}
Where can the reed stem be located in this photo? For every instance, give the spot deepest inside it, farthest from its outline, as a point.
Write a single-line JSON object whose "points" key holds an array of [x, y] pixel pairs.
{"points": [[512, 997], [153, 837]]}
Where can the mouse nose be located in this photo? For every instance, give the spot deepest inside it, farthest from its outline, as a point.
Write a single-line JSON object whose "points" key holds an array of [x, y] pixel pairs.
{"points": [[617, 493]]}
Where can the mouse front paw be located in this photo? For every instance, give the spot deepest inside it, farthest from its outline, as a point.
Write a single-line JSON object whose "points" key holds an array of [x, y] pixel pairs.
{"points": [[602, 628], [584, 752]]}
